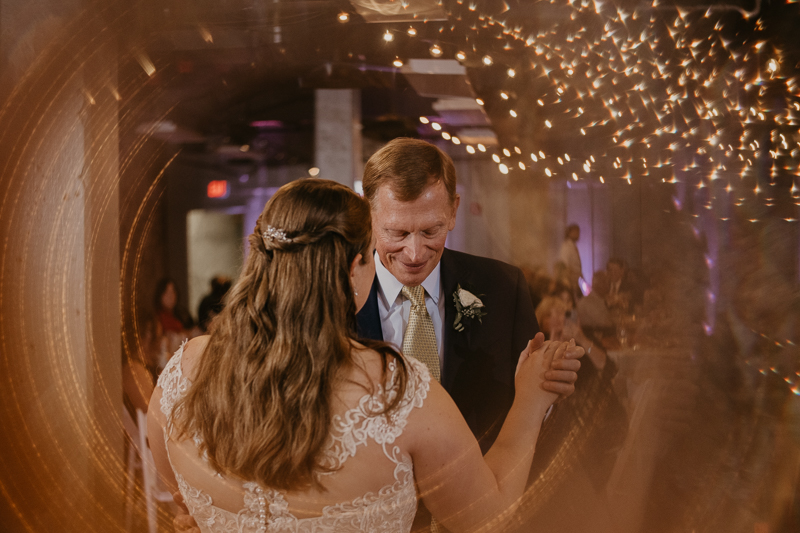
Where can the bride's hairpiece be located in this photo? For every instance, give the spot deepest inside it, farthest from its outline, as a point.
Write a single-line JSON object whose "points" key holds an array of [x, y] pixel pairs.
{"points": [[275, 234]]}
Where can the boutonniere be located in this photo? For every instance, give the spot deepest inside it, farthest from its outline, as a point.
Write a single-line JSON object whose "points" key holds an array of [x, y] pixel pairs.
{"points": [[468, 306]]}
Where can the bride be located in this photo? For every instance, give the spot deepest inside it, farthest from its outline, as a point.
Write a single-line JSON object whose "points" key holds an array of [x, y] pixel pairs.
{"points": [[280, 420]]}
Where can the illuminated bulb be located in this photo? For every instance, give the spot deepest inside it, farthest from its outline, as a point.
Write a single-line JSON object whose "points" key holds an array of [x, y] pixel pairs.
{"points": [[566, 156], [583, 131], [522, 165], [574, 177], [388, 37], [487, 60], [512, 113], [495, 158], [548, 124], [506, 152], [504, 95], [533, 156], [481, 147], [342, 17], [541, 154], [560, 161], [412, 31], [602, 180], [470, 149], [516, 149], [503, 168], [479, 101], [540, 102], [436, 126], [435, 50], [549, 174], [456, 140], [511, 73], [424, 120], [445, 136], [397, 62], [313, 171], [772, 66], [461, 56]]}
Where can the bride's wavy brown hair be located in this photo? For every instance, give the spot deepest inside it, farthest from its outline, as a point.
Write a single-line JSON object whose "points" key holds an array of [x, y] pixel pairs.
{"points": [[261, 399]]}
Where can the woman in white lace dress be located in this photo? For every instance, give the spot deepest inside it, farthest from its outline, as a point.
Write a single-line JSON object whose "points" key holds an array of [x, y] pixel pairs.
{"points": [[280, 421]]}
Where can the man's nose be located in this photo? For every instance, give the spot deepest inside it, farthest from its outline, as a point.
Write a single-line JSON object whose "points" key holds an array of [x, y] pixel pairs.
{"points": [[416, 248]]}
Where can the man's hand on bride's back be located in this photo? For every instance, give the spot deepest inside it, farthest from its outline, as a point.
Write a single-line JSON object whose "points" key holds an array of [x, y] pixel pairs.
{"points": [[183, 522]]}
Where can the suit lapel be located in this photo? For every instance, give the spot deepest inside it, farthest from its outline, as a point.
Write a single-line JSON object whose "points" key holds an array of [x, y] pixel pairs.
{"points": [[369, 318], [456, 344]]}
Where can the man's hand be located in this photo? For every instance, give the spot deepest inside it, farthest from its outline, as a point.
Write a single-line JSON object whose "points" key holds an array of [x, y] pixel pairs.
{"points": [[182, 522], [563, 372]]}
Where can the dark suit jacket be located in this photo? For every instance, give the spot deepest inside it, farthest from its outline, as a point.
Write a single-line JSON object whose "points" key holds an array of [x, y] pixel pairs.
{"points": [[479, 362]]}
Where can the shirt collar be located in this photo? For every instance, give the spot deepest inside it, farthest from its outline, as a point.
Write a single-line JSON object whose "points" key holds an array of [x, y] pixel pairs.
{"points": [[390, 288]]}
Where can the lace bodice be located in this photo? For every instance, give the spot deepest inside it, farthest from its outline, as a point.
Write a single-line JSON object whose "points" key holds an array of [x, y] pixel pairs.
{"points": [[391, 509]]}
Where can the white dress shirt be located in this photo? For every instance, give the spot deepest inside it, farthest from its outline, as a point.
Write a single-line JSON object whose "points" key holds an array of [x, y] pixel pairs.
{"points": [[394, 308]]}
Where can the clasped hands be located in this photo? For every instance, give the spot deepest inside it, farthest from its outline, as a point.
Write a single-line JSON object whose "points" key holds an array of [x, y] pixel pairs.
{"points": [[563, 371]]}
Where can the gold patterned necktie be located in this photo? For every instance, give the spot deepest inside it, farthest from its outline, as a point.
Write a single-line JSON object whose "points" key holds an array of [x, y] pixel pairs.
{"points": [[420, 338]]}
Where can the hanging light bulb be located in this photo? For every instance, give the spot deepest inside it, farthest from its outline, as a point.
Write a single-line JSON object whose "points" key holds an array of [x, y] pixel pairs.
{"points": [[397, 62], [511, 73], [388, 37], [412, 32], [487, 60], [435, 50], [461, 56], [343, 17]]}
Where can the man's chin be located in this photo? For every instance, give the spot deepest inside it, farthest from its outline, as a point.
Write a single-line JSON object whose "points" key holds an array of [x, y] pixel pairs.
{"points": [[411, 276]]}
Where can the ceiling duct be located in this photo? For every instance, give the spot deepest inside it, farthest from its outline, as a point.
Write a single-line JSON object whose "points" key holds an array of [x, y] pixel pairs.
{"points": [[436, 78], [461, 112], [399, 11]]}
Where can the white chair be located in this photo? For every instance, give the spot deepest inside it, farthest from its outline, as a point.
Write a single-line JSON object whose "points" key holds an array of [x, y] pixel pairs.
{"points": [[141, 459], [134, 465], [153, 491]]}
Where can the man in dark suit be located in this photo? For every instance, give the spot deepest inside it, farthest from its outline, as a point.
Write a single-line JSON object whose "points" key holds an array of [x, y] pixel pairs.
{"points": [[411, 187]]}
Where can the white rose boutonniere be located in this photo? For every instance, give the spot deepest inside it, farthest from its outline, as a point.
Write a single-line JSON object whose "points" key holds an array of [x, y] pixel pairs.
{"points": [[468, 306]]}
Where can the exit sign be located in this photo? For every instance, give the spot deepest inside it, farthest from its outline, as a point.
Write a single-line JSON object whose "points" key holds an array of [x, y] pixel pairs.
{"points": [[218, 189]]}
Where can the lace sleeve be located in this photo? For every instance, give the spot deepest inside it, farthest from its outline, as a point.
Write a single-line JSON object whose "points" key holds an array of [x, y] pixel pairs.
{"points": [[172, 384]]}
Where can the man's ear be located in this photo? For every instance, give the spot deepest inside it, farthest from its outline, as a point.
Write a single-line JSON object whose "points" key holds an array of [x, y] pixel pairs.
{"points": [[452, 223]]}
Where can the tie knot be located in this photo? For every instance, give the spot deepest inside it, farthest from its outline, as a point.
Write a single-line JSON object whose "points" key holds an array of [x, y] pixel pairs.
{"points": [[415, 294]]}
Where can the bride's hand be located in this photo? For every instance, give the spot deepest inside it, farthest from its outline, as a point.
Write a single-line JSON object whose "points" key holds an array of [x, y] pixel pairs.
{"points": [[535, 361]]}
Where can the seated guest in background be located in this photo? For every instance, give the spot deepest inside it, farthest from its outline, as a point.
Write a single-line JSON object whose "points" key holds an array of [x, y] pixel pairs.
{"points": [[565, 294], [211, 304], [592, 309], [173, 324], [550, 314], [625, 292]]}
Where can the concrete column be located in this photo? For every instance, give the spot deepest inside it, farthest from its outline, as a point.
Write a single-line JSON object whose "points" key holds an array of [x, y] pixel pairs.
{"points": [[60, 404], [337, 135]]}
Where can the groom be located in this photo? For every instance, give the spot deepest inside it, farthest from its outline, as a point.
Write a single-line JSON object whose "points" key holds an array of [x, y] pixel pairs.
{"points": [[411, 188]]}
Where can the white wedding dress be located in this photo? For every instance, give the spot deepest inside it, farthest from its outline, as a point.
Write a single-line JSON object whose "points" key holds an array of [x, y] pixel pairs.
{"points": [[361, 446]]}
